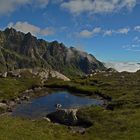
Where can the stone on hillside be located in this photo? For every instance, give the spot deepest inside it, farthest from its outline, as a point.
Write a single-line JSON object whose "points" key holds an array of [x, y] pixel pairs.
{"points": [[55, 74], [3, 105], [3, 75], [47, 119], [64, 116], [14, 73], [44, 74]]}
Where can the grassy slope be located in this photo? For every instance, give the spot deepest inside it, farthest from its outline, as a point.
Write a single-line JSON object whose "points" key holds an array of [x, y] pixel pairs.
{"points": [[120, 124], [107, 125], [12, 87]]}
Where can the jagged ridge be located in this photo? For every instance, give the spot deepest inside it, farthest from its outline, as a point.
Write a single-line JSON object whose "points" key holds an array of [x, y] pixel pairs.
{"points": [[19, 50]]}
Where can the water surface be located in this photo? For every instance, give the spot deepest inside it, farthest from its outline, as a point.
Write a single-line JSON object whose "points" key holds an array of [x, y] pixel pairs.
{"points": [[41, 106]]}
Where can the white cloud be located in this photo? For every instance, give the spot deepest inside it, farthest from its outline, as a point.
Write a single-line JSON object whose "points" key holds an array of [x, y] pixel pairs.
{"points": [[133, 47], [87, 33], [74, 6], [137, 28], [56, 1], [8, 6], [41, 3], [123, 31], [109, 32], [97, 6], [96, 30], [47, 31], [136, 39], [26, 27], [124, 66]]}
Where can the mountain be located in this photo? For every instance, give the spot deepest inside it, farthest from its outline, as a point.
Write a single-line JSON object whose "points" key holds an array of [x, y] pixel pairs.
{"points": [[19, 50], [124, 66]]}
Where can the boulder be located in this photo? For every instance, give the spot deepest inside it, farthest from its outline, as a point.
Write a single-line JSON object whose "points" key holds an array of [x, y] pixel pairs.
{"points": [[45, 74], [64, 116], [75, 129], [3, 75], [47, 119], [25, 98], [3, 105], [15, 73], [18, 101], [12, 103]]}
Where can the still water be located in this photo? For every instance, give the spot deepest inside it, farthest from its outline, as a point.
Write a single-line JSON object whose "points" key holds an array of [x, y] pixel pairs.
{"points": [[41, 106]]}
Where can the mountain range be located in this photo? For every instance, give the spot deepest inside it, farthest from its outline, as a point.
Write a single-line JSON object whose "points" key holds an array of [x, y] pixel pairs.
{"points": [[19, 50]]}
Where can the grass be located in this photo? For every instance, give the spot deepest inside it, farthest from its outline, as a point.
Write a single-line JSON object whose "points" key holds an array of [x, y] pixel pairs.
{"points": [[17, 128], [120, 123], [107, 125], [77, 85], [113, 125], [12, 87]]}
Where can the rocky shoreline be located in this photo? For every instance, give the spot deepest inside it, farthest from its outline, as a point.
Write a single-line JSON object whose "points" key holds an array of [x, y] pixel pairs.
{"points": [[7, 105], [68, 117]]}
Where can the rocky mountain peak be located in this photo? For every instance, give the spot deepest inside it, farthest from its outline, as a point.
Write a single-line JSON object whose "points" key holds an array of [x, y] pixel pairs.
{"points": [[10, 31], [26, 51]]}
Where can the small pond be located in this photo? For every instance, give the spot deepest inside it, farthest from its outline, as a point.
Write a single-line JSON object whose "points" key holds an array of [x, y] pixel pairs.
{"points": [[41, 106]]}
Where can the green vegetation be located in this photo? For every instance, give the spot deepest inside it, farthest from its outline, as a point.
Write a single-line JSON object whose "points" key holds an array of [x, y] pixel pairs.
{"points": [[12, 87], [72, 86], [121, 88], [107, 125], [118, 120], [120, 124], [17, 128]]}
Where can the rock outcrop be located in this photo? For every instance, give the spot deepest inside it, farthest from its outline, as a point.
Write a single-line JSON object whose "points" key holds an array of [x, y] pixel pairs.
{"points": [[69, 117], [19, 50], [43, 74], [64, 116]]}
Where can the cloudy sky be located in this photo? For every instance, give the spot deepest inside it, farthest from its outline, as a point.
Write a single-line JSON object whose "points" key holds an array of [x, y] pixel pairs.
{"points": [[109, 29]]}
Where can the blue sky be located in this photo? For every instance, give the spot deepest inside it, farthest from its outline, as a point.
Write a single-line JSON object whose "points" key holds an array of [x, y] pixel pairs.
{"points": [[108, 29]]}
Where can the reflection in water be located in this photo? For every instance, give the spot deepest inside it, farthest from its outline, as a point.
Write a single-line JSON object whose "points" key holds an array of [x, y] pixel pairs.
{"points": [[41, 106]]}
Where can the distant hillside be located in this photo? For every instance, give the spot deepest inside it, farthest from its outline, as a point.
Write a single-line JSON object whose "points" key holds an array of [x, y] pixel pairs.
{"points": [[19, 50]]}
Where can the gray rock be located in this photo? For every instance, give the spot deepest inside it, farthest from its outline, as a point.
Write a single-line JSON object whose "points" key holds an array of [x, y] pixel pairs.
{"points": [[76, 130], [12, 103], [64, 116], [18, 101], [15, 73], [3, 105], [44, 74], [3, 75], [37, 89], [25, 98], [47, 119]]}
